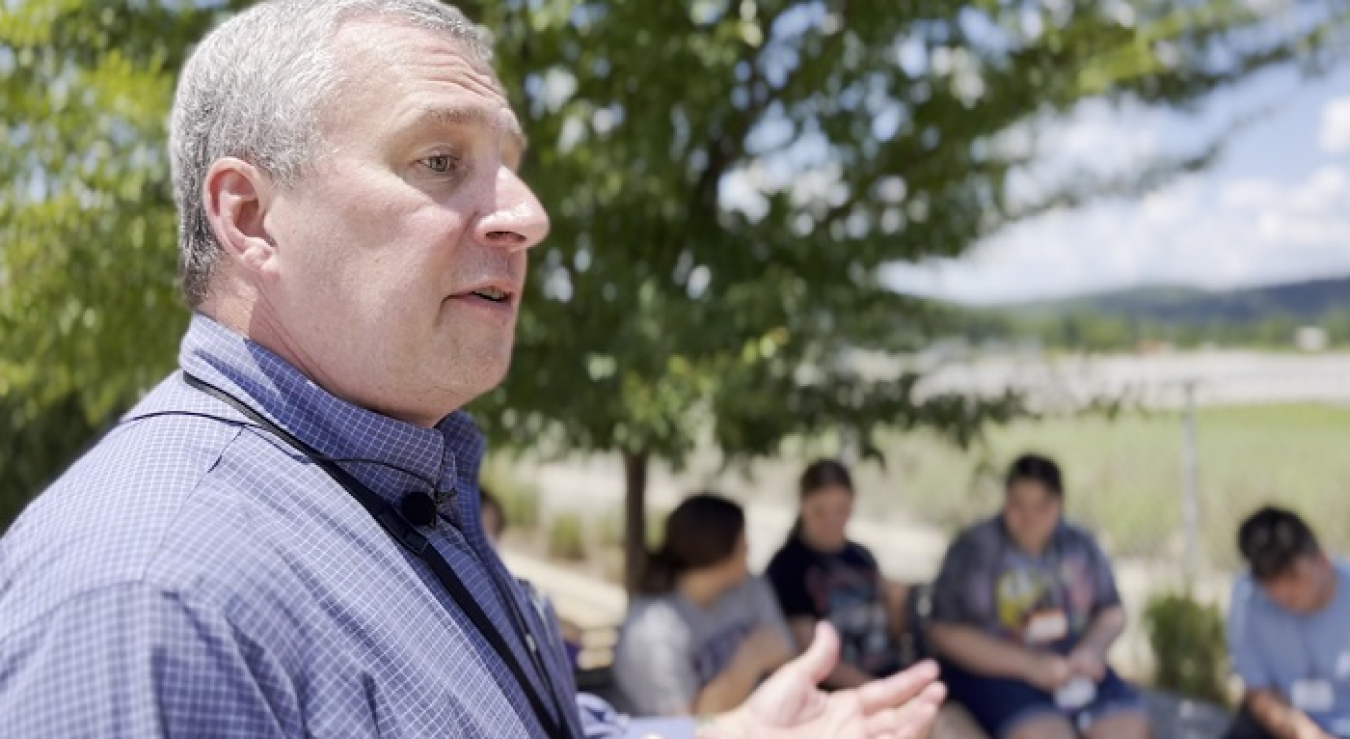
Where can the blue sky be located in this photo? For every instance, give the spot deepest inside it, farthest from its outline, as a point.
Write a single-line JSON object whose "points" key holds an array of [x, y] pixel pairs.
{"points": [[1276, 207]]}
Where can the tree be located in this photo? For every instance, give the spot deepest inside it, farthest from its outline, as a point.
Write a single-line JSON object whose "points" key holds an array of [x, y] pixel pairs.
{"points": [[727, 179], [89, 313]]}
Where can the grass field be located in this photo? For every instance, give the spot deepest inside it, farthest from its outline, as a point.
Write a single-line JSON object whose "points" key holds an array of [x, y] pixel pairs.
{"points": [[1124, 477], [1125, 474]]}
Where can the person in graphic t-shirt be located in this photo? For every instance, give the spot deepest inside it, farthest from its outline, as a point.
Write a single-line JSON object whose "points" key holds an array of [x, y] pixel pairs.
{"points": [[702, 632], [820, 575], [1024, 611]]}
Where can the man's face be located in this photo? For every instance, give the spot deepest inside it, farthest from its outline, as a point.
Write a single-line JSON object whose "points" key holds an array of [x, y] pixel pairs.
{"points": [[1304, 588], [1031, 513], [401, 258]]}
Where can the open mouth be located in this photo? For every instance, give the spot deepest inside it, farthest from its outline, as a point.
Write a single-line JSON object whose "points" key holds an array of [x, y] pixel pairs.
{"points": [[493, 294]]}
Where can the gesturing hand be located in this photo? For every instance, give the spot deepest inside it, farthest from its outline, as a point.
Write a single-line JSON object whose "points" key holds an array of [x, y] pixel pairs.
{"points": [[791, 705]]}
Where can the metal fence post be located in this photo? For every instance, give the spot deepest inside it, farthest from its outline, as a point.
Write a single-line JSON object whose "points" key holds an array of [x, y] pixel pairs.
{"points": [[1190, 499]]}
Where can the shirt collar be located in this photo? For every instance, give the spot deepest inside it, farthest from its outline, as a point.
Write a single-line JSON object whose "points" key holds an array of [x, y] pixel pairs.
{"points": [[395, 456]]}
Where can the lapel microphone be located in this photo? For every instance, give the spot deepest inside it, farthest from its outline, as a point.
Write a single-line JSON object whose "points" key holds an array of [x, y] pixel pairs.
{"points": [[418, 509]]}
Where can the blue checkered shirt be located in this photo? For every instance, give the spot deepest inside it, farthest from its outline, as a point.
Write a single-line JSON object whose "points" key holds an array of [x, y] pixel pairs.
{"points": [[194, 576]]}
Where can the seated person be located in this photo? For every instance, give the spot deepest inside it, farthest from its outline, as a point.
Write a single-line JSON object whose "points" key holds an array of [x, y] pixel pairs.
{"points": [[821, 575], [702, 633], [1289, 633], [494, 518], [1024, 611]]}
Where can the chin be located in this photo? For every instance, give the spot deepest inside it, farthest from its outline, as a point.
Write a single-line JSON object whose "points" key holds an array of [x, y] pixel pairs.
{"points": [[484, 376]]}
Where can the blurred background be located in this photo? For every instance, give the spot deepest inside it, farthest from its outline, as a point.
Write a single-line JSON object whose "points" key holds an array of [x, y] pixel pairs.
{"points": [[922, 235]]}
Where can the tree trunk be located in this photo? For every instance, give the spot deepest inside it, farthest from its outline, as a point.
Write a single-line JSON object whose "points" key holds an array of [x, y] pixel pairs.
{"points": [[635, 518]]}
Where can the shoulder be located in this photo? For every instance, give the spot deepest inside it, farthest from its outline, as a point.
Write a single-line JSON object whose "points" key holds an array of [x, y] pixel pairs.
{"points": [[757, 586], [1249, 600], [656, 619], [1075, 537], [106, 518], [789, 557], [979, 538], [753, 590], [1077, 533], [1248, 609], [1244, 591], [860, 555], [162, 501]]}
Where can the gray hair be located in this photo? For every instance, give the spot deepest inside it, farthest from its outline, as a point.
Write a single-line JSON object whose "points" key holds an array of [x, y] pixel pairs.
{"points": [[254, 89]]}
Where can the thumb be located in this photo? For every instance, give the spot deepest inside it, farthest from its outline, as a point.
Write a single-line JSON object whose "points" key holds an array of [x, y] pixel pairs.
{"points": [[819, 659]]}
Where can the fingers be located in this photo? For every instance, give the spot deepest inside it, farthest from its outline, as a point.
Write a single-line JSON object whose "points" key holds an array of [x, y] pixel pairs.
{"points": [[879, 695], [821, 657], [913, 720]]}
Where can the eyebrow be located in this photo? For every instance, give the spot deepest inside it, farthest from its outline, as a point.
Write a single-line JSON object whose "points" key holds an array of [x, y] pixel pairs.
{"points": [[472, 115]]}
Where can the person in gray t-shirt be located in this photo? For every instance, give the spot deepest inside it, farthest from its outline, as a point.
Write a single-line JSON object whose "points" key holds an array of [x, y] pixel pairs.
{"points": [[1024, 610], [703, 632], [1288, 634]]}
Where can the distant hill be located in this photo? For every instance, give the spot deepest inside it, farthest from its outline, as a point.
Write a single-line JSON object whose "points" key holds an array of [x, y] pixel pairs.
{"points": [[1310, 301], [1125, 320]]}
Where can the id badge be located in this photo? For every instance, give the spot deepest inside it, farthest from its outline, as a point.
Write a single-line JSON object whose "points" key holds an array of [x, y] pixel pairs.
{"points": [[1312, 696], [1077, 693], [1047, 627]]}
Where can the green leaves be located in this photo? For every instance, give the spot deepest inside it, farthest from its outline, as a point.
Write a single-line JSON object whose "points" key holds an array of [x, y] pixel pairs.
{"points": [[89, 314], [725, 179]]}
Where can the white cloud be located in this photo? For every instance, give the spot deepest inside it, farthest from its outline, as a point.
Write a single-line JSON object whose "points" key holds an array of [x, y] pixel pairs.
{"points": [[1335, 133], [1276, 208], [1104, 140], [1216, 234]]}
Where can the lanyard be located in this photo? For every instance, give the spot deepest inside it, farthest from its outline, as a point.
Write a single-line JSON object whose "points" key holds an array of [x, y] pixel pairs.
{"points": [[415, 542]]}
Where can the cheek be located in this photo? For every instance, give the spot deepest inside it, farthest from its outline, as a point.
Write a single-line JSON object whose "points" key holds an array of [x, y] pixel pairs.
{"points": [[1287, 599]]}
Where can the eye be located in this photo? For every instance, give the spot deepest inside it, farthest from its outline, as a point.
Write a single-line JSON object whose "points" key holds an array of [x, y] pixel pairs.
{"points": [[441, 163]]}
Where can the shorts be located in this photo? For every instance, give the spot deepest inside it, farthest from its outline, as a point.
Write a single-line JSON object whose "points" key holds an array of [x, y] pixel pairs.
{"points": [[999, 705]]}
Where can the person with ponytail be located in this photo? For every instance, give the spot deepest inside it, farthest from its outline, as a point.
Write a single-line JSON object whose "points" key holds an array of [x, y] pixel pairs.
{"points": [[702, 632], [820, 575]]}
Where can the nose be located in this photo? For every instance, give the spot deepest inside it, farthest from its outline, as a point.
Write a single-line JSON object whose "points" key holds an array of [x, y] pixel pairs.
{"points": [[516, 220]]}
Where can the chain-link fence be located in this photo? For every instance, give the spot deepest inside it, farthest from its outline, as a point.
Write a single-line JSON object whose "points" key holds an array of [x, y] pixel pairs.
{"points": [[1210, 436]]}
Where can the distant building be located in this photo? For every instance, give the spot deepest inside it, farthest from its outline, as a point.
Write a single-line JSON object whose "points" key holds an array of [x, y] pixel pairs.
{"points": [[1311, 339]]}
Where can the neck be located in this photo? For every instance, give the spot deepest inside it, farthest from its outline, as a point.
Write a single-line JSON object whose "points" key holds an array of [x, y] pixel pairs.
{"points": [[1034, 550], [253, 319], [240, 309], [819, 546], [700, 588], [1329, 588]]}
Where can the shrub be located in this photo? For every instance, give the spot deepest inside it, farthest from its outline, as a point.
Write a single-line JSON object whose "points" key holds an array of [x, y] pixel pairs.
{"points": [[567, 537], [1191, 656]]}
